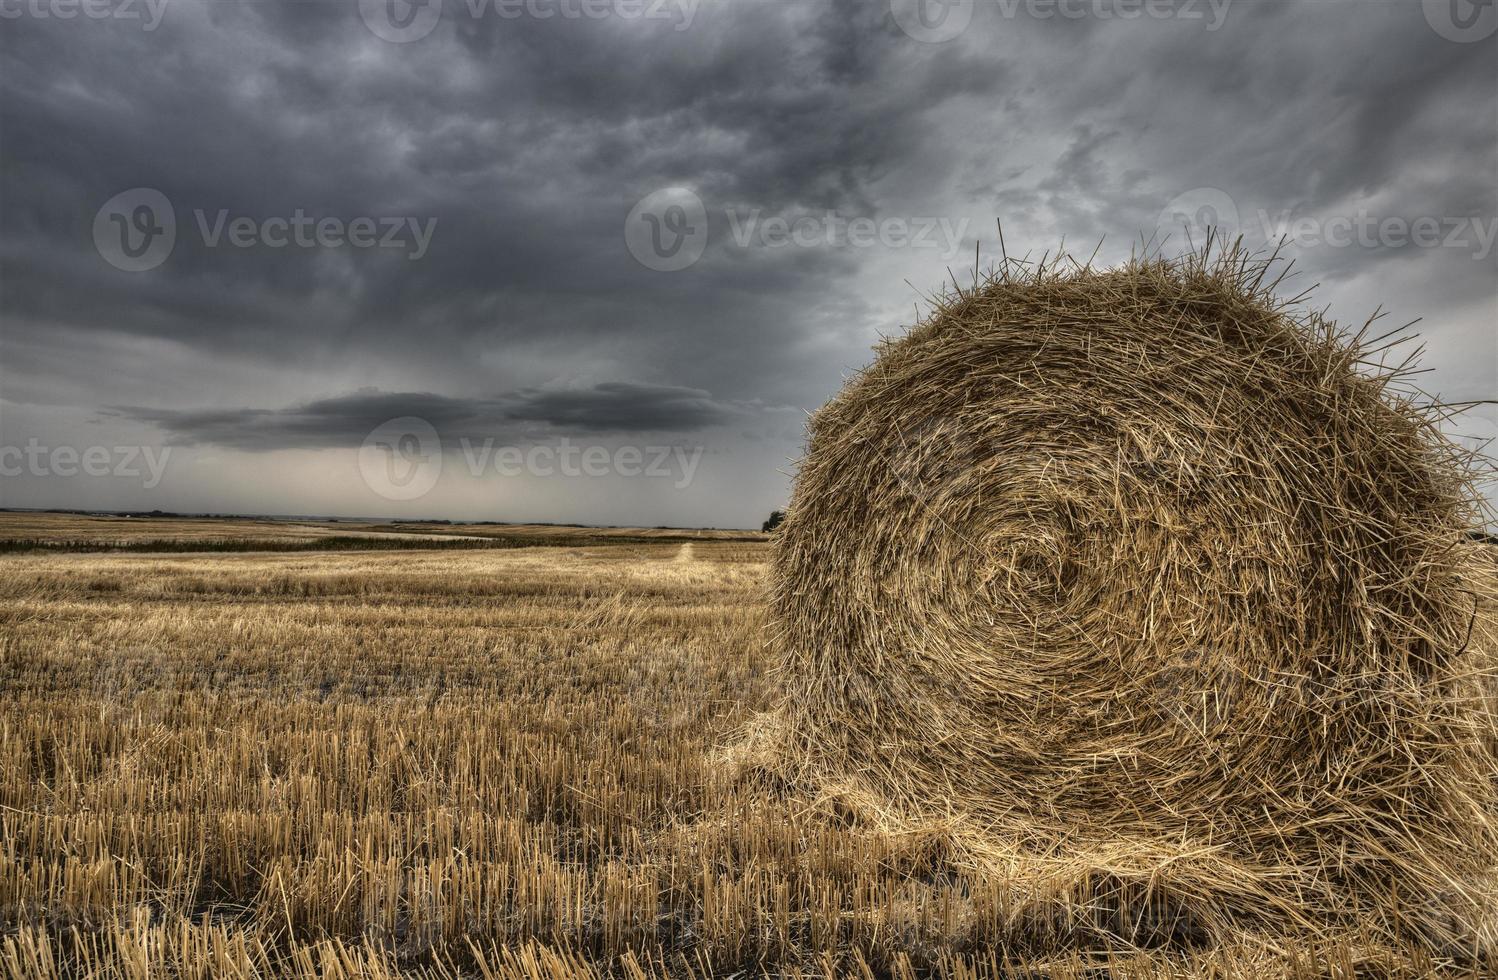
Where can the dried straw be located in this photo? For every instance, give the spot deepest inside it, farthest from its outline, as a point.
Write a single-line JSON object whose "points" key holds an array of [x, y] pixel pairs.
{"points": [[1154, 580]]}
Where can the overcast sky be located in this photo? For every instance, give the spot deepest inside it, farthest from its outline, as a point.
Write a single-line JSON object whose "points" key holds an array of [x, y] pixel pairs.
{"points": [[367, 258]]}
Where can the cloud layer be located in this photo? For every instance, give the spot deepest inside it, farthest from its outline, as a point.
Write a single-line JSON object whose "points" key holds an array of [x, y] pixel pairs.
{"points": [[344, 421], [521, 143]]}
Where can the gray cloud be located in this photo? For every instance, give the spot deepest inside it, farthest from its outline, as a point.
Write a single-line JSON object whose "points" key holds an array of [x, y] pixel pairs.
{"points": [[528, 142], [344, 421], [621, 407]]}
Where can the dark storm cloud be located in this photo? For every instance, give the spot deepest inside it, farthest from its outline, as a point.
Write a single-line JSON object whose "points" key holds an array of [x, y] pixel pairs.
{"points": [[523, 143], [621, 407], [344, 421], [526, 141]]}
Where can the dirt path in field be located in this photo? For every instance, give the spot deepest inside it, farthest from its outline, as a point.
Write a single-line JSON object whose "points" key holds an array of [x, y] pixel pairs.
{"points": [[684, 555]]}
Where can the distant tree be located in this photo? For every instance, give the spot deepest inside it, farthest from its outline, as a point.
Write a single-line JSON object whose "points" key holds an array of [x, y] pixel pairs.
{"points": [[776, 517]]}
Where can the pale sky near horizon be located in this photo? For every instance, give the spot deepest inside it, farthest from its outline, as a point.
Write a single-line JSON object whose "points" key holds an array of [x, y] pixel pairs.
{"points": [[609, 253]]}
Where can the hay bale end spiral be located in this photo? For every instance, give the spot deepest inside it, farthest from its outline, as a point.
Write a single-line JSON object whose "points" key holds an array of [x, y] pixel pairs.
{"points": [[1148, 574]]}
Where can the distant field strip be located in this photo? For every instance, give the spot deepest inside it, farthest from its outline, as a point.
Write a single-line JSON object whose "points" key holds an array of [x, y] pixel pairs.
{"points": [[370, 542]]}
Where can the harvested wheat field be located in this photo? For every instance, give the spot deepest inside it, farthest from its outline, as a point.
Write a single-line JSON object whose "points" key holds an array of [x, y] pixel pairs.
{"points": [[1123, 624], [490, 763]]}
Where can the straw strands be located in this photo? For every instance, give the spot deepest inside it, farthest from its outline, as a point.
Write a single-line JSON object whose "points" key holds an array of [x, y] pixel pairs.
{"points": [[1151, 581]]}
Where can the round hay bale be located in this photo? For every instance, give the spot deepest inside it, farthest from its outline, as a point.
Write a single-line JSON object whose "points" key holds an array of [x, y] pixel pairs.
{"points": [[1149, 574]]}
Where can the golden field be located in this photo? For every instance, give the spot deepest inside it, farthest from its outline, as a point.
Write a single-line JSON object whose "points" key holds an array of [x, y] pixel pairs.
{"points": [[496, 762]]}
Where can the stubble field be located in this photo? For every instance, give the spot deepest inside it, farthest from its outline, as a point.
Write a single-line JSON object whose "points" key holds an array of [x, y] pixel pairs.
{"points": [[487, 762]]}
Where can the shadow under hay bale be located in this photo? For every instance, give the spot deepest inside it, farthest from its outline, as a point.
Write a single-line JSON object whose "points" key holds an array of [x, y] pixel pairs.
{"points": [[1148, 577]]}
